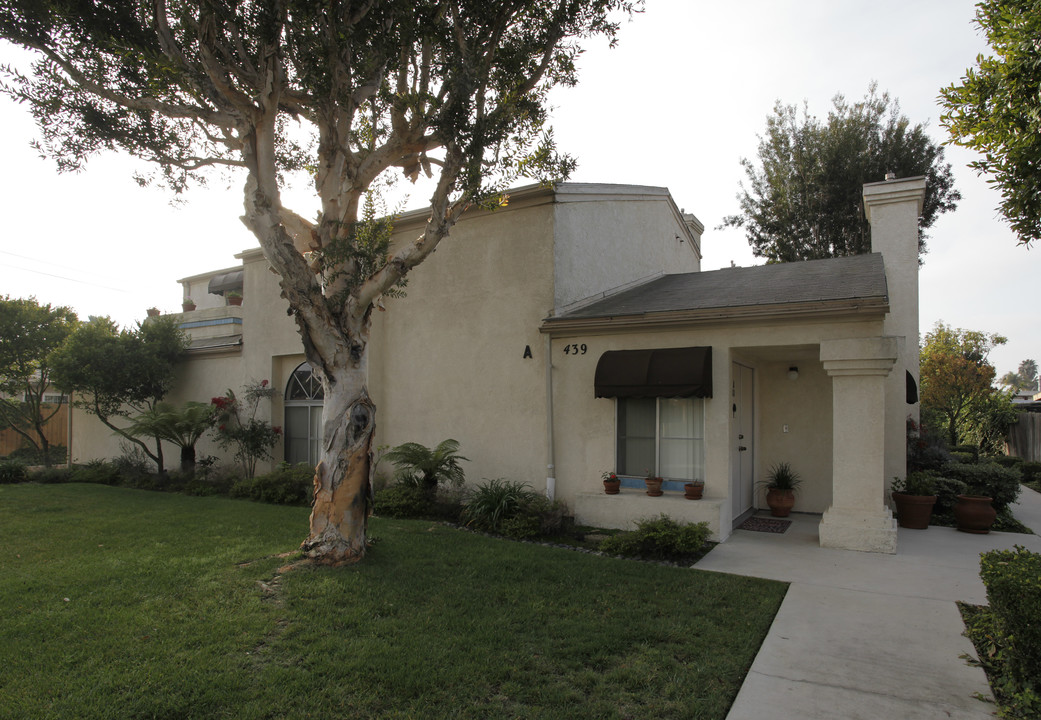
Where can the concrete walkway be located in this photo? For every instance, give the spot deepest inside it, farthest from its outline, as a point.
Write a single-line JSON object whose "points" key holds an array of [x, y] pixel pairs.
{"points": [[863, 635]]}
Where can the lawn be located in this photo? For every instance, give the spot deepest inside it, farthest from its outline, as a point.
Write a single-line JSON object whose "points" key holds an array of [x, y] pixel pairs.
{"points": [[123, 603]]}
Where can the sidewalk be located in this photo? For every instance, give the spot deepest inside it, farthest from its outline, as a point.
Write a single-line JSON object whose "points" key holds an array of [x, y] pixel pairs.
{"points": [[864, 635]]}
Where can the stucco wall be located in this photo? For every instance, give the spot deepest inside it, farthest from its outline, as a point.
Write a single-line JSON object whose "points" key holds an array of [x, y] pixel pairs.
{"points": [[607, 241]]}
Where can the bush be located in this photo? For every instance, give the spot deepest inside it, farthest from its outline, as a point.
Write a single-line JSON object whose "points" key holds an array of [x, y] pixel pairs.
{"points": [[494, 501], [403, 500], [659, 538], [1031, 471], [285, 485], [98, 472], [947, 492], [988, 479], [211, 479], [29, 455], [1008, 461], [51, 475], [964, 457], [12, 471], [1013, 582]]}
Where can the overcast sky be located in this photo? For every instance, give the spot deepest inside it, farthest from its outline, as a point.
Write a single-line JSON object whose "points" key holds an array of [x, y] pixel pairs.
{"points": [[677, 103]]}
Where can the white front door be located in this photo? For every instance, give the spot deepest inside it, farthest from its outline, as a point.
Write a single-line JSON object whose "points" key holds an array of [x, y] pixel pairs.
{"points": [[742, 439]]}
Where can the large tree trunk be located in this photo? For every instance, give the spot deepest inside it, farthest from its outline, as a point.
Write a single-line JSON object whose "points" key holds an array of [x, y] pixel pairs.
{"points": [[342, 489]]}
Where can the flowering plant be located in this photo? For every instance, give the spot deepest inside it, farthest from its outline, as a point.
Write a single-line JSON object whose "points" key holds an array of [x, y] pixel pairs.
{"points": [[609, 476], [239, 428]]}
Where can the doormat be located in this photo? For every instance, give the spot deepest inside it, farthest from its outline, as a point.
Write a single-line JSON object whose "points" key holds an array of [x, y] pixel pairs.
{"points": [[761, 524]]}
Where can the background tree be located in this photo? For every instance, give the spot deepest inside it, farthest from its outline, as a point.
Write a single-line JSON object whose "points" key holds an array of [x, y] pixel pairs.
{"points": [[956, 378], [29, 332], [996, 110], [455, 89], [1025, 378], [117, 374], [239, 428], [804, 196]]}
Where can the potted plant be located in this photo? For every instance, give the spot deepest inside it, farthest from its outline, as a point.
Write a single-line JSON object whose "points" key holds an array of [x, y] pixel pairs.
{"points": [[187, 304], [611, 483], [234, 297], [694, 489], [653, 484], [974, 511], [914, 497], [781, 485]]}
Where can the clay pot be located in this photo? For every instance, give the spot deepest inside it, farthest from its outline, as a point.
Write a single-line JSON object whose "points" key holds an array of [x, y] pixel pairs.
{"points": [[693, 491], [187, 307], [974, 514], [611, 486], [654, 486], [780, 501], [913, 511], [235, 300]]}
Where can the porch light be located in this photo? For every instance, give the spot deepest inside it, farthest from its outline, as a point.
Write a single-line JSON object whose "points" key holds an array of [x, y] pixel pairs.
{"points": [[793, 373]]}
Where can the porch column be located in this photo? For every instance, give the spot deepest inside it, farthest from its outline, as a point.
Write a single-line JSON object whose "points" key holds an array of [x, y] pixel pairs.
{"points": [[859, 518]]}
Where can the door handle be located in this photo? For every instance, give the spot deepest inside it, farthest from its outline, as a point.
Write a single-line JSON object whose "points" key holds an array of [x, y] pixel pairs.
{"points": [[741, 448]]}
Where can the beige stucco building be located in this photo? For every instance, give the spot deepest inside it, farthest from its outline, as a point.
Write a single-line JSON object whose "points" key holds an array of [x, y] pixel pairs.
{"points": [[572, 333]]}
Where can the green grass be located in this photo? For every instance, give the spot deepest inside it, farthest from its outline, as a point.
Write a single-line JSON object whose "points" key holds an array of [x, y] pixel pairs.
{"points": [[119, 603]]}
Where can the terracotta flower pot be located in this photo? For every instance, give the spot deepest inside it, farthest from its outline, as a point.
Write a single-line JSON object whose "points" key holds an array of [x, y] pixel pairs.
{"points": [[974, 514], [611, 486], [654, 486], [913, 511], [235, 300], [187, 307], [693, 491], [780, 501]]}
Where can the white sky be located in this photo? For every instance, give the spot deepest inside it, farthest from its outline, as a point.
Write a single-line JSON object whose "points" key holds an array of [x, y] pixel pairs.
{"points": [[676, 104]]}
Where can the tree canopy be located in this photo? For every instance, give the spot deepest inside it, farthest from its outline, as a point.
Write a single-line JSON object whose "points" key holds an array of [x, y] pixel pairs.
{"points": [[1025, 378], [956, 379], [804, 201], [996, 110], [29, 333], [117, 374], [349, 93]]}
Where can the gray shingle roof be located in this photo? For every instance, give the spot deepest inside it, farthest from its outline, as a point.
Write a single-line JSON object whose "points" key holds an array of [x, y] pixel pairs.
{"points": [[849, 279]]}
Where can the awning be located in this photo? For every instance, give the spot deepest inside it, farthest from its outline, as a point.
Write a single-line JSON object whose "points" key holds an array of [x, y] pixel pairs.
{"points": [[664, 372], [225, 282]]}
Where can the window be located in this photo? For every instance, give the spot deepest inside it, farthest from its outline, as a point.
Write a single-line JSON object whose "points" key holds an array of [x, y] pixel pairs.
{"points": [[663, 435], [303, 418]]}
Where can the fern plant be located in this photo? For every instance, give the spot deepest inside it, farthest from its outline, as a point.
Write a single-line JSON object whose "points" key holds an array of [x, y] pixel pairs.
{"points": [[426, 467]]}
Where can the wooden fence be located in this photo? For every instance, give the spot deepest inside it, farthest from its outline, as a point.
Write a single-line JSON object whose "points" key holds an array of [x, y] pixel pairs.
{"points": [[56, 431], [1024, 438]]}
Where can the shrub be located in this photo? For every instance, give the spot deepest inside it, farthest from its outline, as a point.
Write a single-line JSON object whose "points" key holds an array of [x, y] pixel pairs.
{"points": [[403, 500], [921, 482], [1013, 582], [30, 455], [12, 471], [989, 479], [947, 492], [285, 485], [660, 538], [1008, 461], [211, 479], [98, 472], [430, 468], [963, 457], [50, 475], [1031, 471], [494, 501]]}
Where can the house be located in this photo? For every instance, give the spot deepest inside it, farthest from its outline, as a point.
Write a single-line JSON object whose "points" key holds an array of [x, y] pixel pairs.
{"points": [[572, 332]]}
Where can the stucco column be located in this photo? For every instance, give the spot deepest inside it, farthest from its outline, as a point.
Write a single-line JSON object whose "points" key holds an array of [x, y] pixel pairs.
{"points": [[858, 518]]}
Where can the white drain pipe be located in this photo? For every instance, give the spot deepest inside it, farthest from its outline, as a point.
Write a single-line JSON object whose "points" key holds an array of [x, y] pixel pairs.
{"points": [[551, 480]]}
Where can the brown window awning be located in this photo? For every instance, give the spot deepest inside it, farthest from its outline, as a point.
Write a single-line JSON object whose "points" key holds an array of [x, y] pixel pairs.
{"points": [[226, 282], [665, 372]]}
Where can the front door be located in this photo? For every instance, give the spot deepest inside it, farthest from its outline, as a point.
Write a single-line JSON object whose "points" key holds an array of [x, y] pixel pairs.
{"points": [[742, 439]]}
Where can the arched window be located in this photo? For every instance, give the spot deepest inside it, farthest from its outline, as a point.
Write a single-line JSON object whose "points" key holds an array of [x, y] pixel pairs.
{"points": [[303, 422]]}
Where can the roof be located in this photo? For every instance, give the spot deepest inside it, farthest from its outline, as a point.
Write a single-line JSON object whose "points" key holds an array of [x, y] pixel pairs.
{"points": [[846, 284]]}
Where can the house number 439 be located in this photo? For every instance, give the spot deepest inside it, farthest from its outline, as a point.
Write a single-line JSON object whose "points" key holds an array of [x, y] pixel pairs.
{"points": [[575, 349]]}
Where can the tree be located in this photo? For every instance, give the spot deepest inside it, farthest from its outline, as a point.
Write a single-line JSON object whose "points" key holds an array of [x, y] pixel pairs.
{"points": [[352, 92], [29, 333], [804, 198], [956, 377], [1023, 379], [117, 374], [996, 110], [238, 426], [183, 426]]}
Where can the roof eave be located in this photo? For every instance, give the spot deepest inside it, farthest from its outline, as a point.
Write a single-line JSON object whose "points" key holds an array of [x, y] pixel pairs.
{"points": [[824, 310]]}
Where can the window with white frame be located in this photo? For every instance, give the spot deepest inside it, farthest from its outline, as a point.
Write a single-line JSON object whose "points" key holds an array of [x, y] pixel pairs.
{"points": [[304, 400], [665, 436]]}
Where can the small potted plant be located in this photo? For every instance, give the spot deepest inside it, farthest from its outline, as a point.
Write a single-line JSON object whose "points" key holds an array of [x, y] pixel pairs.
{"points": [[653, 484], [234, 297], [781, 485], [611, 483], [187, 304], [694, 489], [914, 497]]}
